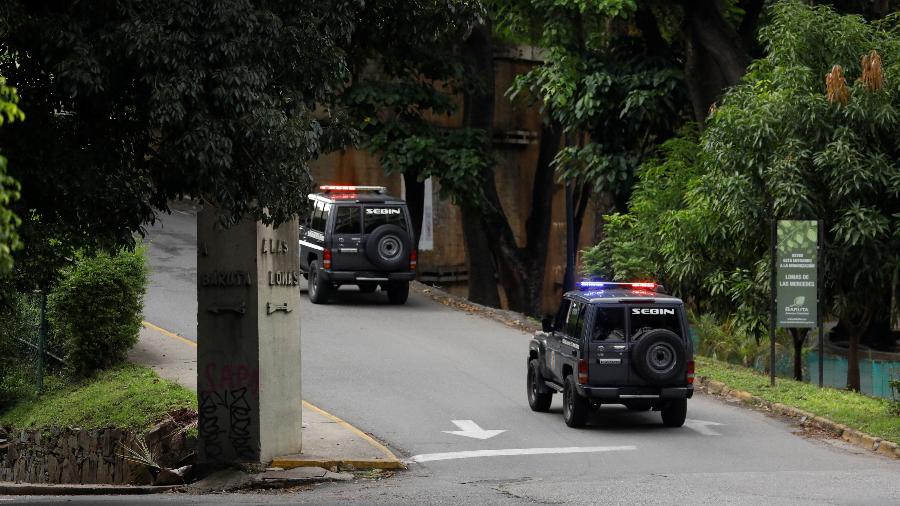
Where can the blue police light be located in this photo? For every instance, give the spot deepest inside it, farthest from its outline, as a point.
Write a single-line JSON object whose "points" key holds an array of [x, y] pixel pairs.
{"points": [[613, 284]]}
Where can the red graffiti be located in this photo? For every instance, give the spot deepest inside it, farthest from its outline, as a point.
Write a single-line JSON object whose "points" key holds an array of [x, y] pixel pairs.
{"points": [[230, 377]]}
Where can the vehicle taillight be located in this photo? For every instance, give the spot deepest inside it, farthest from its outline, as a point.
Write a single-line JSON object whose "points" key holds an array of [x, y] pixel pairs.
{"points": [[326, 259], [690, 372], [582, 372], [413, 260]]}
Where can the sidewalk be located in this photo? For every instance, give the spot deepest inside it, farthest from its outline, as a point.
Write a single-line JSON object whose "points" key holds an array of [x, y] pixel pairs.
{"points": [[328, 441]]}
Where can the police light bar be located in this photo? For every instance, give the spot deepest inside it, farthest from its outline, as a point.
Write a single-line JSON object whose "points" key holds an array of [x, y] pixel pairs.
{"points": [[613, 284], [345, 188]]}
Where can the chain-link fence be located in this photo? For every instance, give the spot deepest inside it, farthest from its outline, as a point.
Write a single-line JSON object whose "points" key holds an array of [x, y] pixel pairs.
{"points": [[28, 349]]}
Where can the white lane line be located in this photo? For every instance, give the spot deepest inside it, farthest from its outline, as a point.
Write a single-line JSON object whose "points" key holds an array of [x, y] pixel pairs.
{"points": [[431, 457]]}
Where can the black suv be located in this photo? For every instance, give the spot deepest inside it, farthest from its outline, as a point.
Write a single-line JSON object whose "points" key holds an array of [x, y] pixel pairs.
{"points": [[357, 235], [613, 343]]}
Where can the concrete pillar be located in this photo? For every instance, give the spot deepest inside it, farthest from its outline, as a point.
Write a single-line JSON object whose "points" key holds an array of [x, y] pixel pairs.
{"points": [[248, 328]]}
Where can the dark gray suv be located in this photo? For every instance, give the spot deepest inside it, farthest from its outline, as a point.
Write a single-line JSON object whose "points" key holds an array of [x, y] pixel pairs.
{"points": [[613, 343], [357, 235]]}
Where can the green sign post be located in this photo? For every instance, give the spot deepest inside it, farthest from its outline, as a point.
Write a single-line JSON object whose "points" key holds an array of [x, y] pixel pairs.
{"points": [[796, 281], [796, 268]]}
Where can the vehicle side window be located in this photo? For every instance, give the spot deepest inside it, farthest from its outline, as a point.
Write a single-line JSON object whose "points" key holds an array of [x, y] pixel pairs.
{"points": [[378, 216], [318, 223], [348, 220], [646, 318], [560, 320], [573, 322], [609, 324]]}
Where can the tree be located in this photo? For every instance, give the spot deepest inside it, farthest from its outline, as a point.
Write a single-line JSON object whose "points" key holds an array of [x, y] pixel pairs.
{"points": [[9, 188], [405, 74], [779, 148], [134, 103]]}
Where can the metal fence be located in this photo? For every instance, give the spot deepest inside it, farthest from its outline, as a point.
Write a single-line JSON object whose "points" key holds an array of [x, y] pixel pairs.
{"points": [[29, 350], [874, 375]]}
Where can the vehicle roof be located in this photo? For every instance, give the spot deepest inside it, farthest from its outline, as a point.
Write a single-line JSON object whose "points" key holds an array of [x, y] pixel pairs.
{"points": [[620, 295], [356, 198]]}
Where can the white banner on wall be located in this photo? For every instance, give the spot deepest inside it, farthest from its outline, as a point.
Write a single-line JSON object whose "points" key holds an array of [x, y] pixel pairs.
{"points": [[426, 242]]}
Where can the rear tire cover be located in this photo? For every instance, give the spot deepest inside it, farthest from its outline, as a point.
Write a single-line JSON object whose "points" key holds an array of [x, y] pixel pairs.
{"points": [[659, 356], [388, 248]]}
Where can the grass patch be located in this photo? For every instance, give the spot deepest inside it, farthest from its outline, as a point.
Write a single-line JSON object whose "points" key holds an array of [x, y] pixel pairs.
{"points": [[867, 414], [125, 397]]}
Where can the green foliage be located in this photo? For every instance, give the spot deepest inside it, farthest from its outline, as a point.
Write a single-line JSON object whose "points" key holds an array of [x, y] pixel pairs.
{"points": [[9, 187], [404, 81], [134, 103], [96, 309], [860, 412], [895, 402], [126, 397], [699, 217], [615, 100]]}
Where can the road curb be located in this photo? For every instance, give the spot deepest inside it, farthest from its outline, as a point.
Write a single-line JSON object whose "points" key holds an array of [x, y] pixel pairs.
{"points": [[512, 319], [852, 436], [46, 489]]}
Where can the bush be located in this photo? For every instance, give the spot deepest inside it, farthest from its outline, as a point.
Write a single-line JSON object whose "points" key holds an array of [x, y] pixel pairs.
{"points": [[19, 319], [96, 309], [895, 402]]}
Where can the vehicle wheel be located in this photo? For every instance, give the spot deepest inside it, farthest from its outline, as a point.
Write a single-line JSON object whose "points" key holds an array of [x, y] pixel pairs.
{"points": [[367, 287], [388, 247], [575, 407], [638, 406], [319, 290], [537, 400], [674, 412], [398, 292], [659, 356]]}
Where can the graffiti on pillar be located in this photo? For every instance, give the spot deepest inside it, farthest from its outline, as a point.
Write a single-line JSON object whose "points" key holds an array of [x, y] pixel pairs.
{"points": [[225, 412]]}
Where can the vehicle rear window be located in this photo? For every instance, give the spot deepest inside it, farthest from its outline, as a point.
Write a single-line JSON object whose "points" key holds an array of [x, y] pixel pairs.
{"points": [[348, 220], [646, 318], [384, 215], [318, 217], [609, 324]]}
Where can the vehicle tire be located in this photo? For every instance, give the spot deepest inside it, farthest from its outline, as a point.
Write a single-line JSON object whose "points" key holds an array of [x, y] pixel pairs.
{"points": [[538, 401], [575, 407], [367, 287], [318, 289], [388, 247], [674, 412], [659, 356], [638, 405], [398, 292]]}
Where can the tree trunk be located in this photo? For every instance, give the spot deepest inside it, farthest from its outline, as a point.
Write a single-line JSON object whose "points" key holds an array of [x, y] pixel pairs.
{"points": [[482, 270], [478, 112], [540, 218], [715, 59], [415, 201], [799, 338], [855, 330]]}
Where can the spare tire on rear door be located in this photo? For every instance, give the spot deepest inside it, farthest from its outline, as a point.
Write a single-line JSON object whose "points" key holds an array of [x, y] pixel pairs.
{"points": [[659, 356], [388, 248]]}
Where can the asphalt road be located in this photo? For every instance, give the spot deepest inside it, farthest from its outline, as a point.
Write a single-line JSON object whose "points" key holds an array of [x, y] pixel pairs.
{"points": [[405, 373]]}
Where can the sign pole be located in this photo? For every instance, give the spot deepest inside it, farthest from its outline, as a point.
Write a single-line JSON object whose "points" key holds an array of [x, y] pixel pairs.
{"points": [[772, 308], [820, 288]]}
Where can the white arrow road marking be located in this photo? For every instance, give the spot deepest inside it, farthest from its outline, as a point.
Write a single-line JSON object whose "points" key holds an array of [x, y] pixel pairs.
{"points": [[702, 426], [468, 428], [430, 457]]}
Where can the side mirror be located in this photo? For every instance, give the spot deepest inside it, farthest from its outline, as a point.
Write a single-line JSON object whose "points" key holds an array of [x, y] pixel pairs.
{"points": [[547, 324]]}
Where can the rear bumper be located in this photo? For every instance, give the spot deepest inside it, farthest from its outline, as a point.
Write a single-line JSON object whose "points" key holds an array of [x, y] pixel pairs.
{"points": [[372, 277], [629, 393]]}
